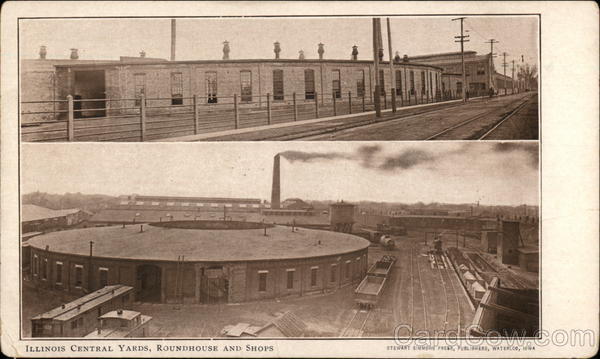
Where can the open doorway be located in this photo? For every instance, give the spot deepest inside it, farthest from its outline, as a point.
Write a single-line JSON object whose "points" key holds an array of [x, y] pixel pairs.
{"points": [[148, 283], [90, 85]]}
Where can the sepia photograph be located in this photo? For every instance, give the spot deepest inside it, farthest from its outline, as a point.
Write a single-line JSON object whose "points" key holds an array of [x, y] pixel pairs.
{"points": [[299, 179], [353, 240], [280, 79]]}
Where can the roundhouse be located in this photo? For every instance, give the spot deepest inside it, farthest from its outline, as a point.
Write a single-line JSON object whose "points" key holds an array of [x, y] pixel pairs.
{"points": [[199, 261]]}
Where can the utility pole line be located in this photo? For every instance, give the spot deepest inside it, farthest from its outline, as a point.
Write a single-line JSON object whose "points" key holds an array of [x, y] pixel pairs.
{"points": [[504, 64], [492, 55], [392, 75], [376, 46], [462, 39], [513, 76]]}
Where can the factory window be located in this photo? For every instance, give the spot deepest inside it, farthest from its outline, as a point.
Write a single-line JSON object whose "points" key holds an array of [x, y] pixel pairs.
{"points": [[309, 84], [139, 203], [74, 324], [336, 86], [176, 88], [246, 85], [211, 87], [412, 82], [78, 275], [314, 272], [290, 278], [347, 269], [59, 269], [139, 81], [36, 265], [382, 82], [398, 83], [214, 205], [185, 204], [333, 273], [422, 81], [124, 203], [242, 205], [155, 203], [45, 269], [278, 85], [262, 281], [480, 70], [103, 277], [170, 203], [360, 83], [199, 204], [430, 82], [255, 206]]}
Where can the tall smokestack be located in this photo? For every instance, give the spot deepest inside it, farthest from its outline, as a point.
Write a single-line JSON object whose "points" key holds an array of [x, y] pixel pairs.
{"points": [[276, 189], [173, 39]]}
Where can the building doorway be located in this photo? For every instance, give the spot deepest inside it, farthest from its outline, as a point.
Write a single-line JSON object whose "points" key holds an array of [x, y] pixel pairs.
{"points": [[148, 283], [90, 85], [214, 285]]}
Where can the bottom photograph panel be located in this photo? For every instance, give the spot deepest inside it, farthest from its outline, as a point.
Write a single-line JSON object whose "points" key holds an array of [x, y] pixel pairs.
{"points": [[280, 240]]}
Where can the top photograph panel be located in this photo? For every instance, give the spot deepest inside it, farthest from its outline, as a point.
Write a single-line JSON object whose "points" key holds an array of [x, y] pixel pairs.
{"points": [[278, 79]]}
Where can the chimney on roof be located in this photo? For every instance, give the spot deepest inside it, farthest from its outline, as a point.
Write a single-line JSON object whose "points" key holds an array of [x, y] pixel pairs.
{"points": [[43, 52], [321, 51], [354, 52], [226, 50], [301, 55], [173, 38], [142, 54], [397, 58], [405, 58], [74, 54], [276, 49]]}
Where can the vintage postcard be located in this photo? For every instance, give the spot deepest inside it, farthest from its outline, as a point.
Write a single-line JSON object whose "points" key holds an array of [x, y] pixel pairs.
{"points": [[299, 179]]}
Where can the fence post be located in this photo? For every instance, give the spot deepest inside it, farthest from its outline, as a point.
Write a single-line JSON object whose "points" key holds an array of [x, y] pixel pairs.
{"points": [[295, 107], [393, 92], [364, 109], [236, 112], [196, 119], [316, 104], [334, 105], [384, 101], [350, 102], [268, 108], [142, 118], [70, 122]]}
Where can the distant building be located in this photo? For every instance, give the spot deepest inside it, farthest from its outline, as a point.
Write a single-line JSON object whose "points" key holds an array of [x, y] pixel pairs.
{"points": [[40, 219], [479, 69]]}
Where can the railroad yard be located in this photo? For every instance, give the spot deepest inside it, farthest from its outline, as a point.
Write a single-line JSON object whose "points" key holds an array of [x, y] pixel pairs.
{"points": [[419, 295]]}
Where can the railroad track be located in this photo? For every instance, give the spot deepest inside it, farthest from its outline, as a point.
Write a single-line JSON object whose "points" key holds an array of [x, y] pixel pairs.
{"points": [[479, 116], [422, 293], [355, 327], [306, 134], [445, 264], [504, 119]]}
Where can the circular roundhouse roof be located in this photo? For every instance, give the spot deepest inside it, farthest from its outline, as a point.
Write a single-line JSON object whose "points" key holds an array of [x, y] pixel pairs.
{"points": [[199, 245]]}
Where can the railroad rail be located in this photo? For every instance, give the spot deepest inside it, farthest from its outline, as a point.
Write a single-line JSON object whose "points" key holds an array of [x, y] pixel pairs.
{"points": [[425, 316], [355, 327], [444, 265], [477, 117], [504, 119]]}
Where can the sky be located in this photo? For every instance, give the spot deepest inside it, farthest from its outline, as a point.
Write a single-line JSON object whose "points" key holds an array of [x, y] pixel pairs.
{"points": [[408, 172], [251, 38]]}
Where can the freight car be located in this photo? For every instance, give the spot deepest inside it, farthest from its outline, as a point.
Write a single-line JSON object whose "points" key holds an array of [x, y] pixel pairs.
{"points": [[369, 290]]}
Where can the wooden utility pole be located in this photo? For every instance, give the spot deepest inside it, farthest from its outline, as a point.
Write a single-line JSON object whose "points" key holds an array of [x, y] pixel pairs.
{"points": [[504, 64], [376, 46], [513, 77], [392, 75], [462, 39], [492, 55]]}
